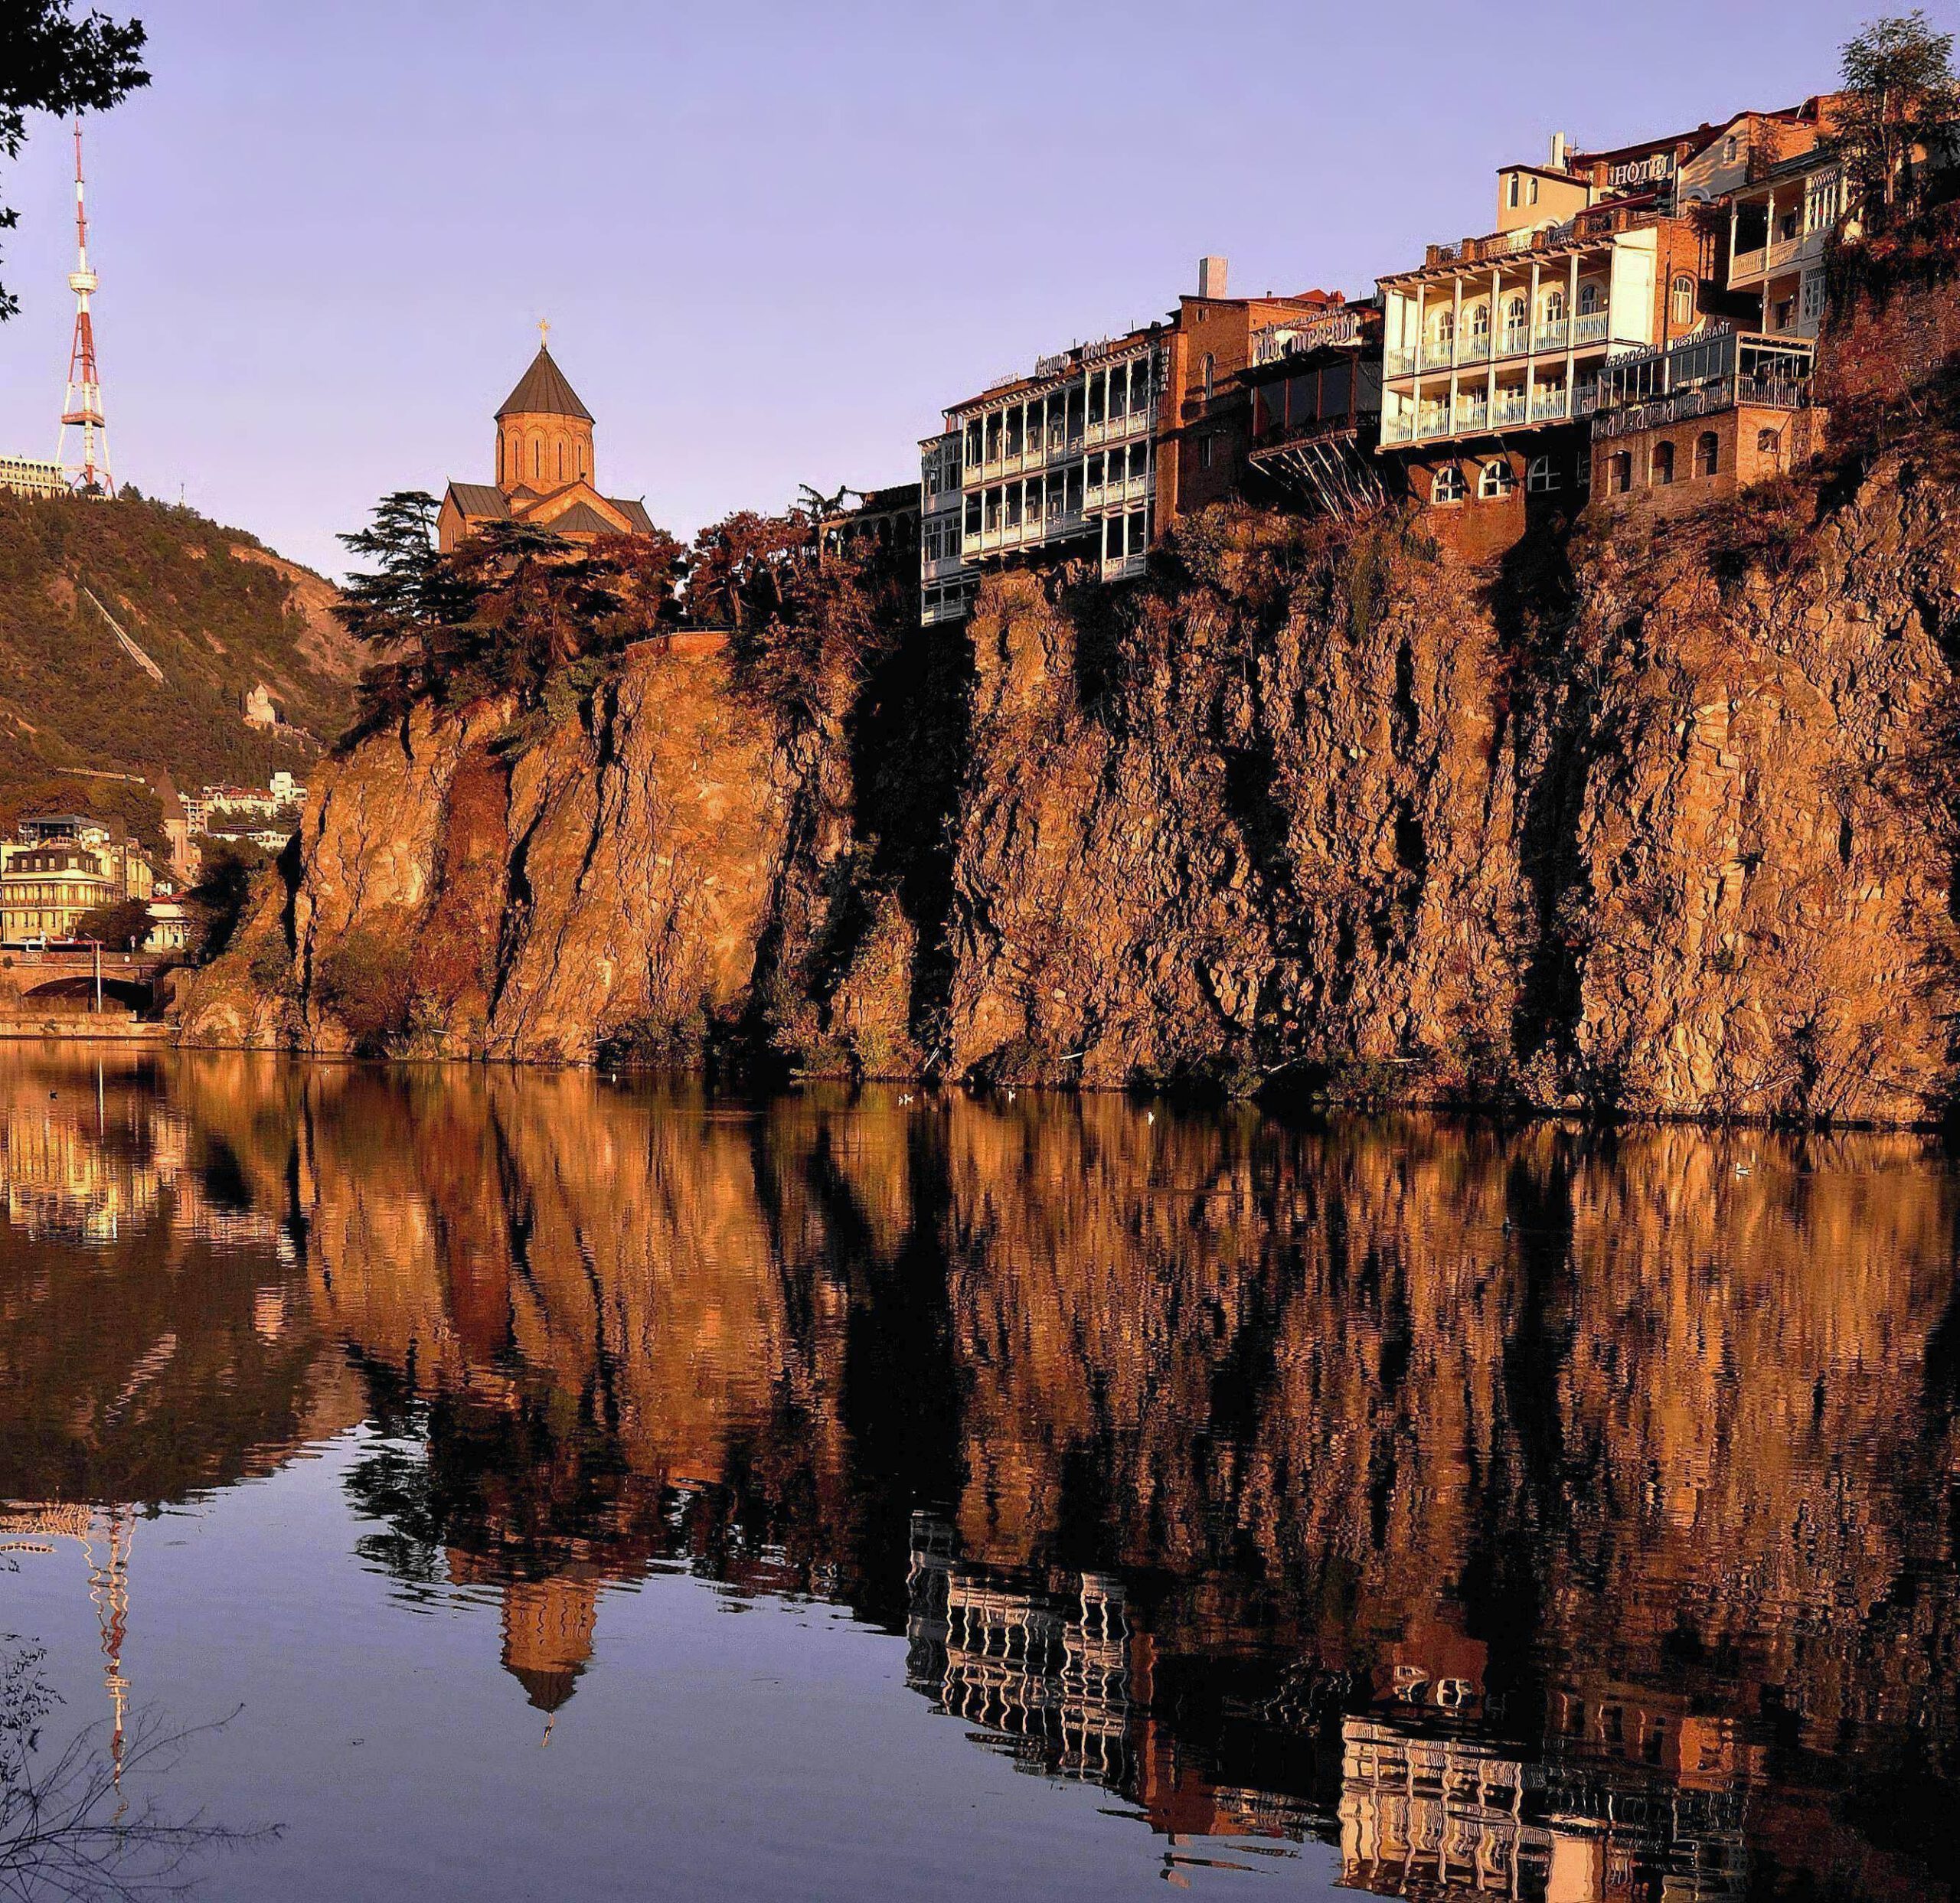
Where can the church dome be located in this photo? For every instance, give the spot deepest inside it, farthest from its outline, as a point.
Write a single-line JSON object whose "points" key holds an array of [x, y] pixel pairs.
{"points": [[543, 391]]}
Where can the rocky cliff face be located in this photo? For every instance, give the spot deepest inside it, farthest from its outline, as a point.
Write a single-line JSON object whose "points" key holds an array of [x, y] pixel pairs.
{"points": [[1657, 819]]}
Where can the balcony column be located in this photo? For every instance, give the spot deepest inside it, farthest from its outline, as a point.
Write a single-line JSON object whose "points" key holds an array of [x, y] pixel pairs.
{"points": [[1414, 347], [1572, 337]]}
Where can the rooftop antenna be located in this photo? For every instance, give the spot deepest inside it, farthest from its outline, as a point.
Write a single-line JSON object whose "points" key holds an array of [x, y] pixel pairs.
{"points": [[87, 471]]}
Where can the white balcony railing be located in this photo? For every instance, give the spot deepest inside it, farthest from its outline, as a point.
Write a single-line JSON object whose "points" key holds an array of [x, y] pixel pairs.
{"points": [[1509, 408], [1548, 406], [1590, 327], [1552, 336]]}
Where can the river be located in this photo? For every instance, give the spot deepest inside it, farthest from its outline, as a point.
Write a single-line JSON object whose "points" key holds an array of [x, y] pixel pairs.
{"points": [[466, 1484]]}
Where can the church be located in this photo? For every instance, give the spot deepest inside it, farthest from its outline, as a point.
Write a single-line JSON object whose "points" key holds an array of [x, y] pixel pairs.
{"points": [[545, 471]]}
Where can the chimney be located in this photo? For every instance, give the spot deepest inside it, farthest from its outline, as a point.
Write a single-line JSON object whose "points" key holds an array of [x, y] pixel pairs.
{"points": [[1558, 151], [1211, 277]]}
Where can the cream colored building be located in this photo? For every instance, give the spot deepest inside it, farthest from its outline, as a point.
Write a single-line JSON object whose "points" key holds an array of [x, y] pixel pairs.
{"points": [[60, 869], [22, 475]]}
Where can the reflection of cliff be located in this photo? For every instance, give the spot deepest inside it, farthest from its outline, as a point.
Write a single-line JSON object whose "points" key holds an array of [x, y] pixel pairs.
{"points": [[1622, 1460]]}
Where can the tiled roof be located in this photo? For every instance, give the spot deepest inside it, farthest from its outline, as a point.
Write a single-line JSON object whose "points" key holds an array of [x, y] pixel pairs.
{"points": [[480, 499], [543, 391]]}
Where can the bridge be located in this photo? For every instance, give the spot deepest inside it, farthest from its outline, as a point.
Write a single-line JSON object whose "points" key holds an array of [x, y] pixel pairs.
{"points": [[64, 979]]}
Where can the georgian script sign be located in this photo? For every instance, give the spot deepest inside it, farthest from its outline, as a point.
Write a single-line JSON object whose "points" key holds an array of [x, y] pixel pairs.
{"points": [[1062, 362], [1318, 333]]}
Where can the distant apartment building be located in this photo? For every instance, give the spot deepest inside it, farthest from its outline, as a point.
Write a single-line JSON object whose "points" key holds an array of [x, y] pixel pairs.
{"points": [[23, 475], [60, 867], [1096, 452]]}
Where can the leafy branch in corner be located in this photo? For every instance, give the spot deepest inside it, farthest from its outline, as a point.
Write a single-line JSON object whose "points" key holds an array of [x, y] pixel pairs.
{"points": [[52, 62]]}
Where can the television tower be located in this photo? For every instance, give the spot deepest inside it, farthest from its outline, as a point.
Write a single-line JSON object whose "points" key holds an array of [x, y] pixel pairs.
{"points": [[88, 471]]}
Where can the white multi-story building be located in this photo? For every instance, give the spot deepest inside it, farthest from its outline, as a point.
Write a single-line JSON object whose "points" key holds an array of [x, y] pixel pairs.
{"points": [[1062, 461], [1779, 227]]}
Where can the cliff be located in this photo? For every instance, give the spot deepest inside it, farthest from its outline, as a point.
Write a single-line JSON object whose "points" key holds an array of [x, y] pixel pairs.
{"points": [[1657, 818]]}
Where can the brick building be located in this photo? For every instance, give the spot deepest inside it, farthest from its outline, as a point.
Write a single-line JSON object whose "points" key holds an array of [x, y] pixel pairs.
{"points": [[547, 470], [1315, 386]]}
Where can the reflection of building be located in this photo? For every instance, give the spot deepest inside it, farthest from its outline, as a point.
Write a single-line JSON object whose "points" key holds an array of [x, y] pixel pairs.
{"points": [[1428, 1807]]}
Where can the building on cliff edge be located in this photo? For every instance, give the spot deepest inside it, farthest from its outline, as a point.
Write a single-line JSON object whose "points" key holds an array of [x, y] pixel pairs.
{"points": [[547, 470]]}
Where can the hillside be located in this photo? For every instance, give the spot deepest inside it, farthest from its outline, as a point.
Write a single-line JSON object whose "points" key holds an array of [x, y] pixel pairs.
{"points": [[216, 614]]}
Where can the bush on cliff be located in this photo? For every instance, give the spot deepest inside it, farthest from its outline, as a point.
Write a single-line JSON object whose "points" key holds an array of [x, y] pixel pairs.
{"points": [[368, 982]]}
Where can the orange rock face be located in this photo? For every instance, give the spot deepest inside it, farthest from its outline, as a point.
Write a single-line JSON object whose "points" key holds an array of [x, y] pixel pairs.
{"points": [[1657, 821]]}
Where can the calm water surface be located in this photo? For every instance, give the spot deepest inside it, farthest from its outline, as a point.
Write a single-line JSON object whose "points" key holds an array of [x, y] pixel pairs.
{"points": [[440, 1484]]}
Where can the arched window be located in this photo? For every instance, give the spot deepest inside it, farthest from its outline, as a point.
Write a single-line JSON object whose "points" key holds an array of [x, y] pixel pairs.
{"points": [[1768, 441], [1728, 150], [1210, 372], [1589, 297], [1619, 473], [1541, 476], [1683, 301], [1664, 463], [1555, 305], [1494, 481], [1446, 485], [1516, 312], [561, 460], [1707, 454], [537, 456], [1479, 316], [1446, 327]]}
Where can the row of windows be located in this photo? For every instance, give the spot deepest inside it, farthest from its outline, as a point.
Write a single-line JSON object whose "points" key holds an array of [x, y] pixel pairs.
{"points": [[1661, 471], [1515, 312], [1059, 493], [1497, 480], [21, 892], [1107, 396], [1125, 534], [570, 460]]}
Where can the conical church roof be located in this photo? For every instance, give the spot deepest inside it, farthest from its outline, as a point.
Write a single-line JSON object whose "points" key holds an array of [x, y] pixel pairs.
{"points": [[543, 391]]}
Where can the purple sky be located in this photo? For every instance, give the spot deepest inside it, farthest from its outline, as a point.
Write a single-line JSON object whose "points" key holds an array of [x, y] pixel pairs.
{"points": [[773, 239]]}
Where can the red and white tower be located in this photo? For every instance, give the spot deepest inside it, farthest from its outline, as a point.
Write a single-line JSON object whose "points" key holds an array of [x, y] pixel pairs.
{"points": [[86, 462]]}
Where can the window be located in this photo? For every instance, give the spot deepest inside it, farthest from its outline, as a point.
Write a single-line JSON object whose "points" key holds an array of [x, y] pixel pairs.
{"points": [[1684, 311], [1768, 442], [1119, 383], [1096, 472], [1531, 192], [1541, 477], [1495, 482], [993, 509], [1582, 473], [973, 440], [1480, 323], [1014, 505], [1204, 452], [1588, 297], [1446, 485], [1785, 314], [1446, 327], [1113, 538], [1813, 296], [1516, 313], [1139, 531], [1014, 431], [1210, 372], [1728, 150], [1511, 190], [1140, 459], [1664, 463], [1619, 473], [1096, 385], [1707, 454], [1555, 306]]}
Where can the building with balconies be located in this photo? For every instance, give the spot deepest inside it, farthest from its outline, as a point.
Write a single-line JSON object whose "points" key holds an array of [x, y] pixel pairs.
{"points": [[1095, 453], [1315, 384], [1709, 416], [1779, 224], [1494, 347]]}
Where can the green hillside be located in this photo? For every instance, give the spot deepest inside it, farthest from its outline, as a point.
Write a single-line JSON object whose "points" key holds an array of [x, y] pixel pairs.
{"points": [[215, 611]]}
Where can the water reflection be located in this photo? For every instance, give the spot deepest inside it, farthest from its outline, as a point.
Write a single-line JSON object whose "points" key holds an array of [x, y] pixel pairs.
{"points": [[1532, 1514]]}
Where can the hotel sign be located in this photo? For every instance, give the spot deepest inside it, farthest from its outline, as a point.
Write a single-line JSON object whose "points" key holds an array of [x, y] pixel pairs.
{"points": [[1655, 169], [1062, 362]]}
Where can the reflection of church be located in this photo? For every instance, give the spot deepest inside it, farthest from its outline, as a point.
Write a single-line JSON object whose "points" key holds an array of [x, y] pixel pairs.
{"points": [[547, 473]]}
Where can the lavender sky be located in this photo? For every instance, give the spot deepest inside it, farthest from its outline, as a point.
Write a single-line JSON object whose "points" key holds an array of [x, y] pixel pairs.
{"points": [[773, 240]]}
